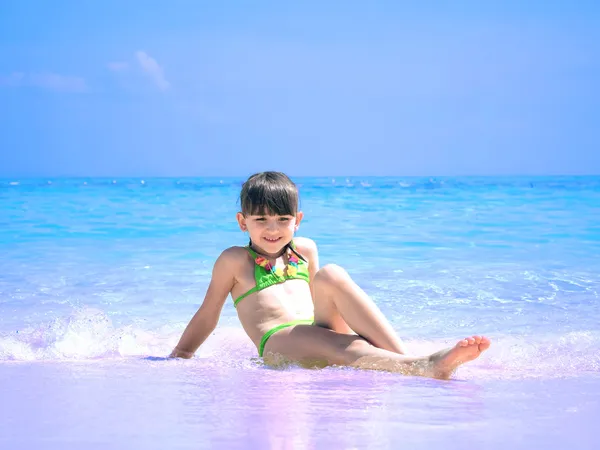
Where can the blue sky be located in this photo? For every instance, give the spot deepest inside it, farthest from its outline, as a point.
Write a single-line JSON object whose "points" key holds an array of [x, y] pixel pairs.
{"points": [[226, 88]]}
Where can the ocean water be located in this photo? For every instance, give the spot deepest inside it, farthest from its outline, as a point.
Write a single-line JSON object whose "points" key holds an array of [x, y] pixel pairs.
{"points": [[98, 278]]}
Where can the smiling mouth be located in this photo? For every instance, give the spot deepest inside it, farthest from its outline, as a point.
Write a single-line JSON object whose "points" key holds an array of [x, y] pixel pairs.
{"points": [[271, 240]]}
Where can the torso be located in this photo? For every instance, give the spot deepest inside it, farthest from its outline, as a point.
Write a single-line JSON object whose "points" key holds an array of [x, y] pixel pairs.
{"points": [[272, 306]]}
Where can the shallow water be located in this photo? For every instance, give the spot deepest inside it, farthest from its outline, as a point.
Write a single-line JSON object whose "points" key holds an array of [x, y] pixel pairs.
{"points": [[99, 277], [200, 404]]}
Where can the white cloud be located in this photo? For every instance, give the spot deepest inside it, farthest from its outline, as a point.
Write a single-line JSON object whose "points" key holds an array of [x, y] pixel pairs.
{"points": [[152, 69], [57, 82], [118, 66], [45, 80]]}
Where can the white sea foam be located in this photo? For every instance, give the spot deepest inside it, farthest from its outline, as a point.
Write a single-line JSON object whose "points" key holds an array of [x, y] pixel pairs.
{"points": [[89, 334]]}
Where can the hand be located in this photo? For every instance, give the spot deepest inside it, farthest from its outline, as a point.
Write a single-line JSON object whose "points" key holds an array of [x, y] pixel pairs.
{"points": [[177, 353]]}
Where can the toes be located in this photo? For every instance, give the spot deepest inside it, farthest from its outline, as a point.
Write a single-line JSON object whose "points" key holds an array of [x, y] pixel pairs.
{"points": [[485, 343], [475, 340]]}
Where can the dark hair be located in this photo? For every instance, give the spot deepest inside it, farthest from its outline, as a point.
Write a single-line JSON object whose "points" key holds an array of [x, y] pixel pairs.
{"points": [[269, 193]]}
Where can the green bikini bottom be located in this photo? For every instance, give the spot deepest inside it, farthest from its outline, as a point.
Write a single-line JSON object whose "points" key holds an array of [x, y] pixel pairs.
{"points": [[274, 330]]}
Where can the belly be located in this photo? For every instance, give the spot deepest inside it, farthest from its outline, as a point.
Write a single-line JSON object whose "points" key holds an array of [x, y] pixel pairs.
{"points": [[293, 296], [275, 305], [299, 308]]}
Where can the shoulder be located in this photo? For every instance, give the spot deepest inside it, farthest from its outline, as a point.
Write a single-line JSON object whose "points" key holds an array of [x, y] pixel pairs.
{"points": [[232, 257], [306, 244], [234, 252], [306, 247]]}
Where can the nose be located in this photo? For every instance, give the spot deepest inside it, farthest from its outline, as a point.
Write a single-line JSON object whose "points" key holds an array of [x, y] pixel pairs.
{"points": [[272, 225]]}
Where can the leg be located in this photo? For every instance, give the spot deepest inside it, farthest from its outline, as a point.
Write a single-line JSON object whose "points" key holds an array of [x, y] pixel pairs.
{"points": [[341, 305], [313, 345]]}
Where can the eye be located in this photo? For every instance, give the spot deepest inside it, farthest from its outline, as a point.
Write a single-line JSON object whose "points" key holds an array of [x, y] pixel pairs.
{"points": [[260, 219], [284, 219]]}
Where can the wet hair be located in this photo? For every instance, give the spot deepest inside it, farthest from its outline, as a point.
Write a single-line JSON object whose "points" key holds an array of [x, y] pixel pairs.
{"points": [[270, 193]]}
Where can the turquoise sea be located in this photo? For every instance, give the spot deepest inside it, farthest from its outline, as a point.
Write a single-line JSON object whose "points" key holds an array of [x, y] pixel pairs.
{"points": [[98, 278]]}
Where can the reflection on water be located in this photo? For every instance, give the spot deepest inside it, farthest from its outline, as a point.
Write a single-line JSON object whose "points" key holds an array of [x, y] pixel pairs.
{"points": [[202, 404]]}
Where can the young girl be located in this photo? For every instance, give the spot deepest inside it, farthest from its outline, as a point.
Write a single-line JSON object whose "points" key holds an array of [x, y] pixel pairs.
{"points": [[293, 310]]}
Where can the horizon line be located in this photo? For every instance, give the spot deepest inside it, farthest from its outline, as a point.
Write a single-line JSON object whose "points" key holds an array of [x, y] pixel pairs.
{"points": [[220, 177]]}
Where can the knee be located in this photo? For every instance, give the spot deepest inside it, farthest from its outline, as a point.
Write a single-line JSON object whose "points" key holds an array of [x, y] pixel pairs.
{"points": [[331, 274]]}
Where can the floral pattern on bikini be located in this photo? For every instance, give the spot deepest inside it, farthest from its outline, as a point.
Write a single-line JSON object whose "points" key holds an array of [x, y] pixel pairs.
{"points": [[291, 267]]}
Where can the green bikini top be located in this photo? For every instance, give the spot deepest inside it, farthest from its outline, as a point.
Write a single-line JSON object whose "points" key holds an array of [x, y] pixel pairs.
{"points": [[265, 274]]}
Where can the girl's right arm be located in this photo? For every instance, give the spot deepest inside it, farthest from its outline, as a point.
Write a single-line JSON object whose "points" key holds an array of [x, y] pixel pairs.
{"points": [[206, 318]]}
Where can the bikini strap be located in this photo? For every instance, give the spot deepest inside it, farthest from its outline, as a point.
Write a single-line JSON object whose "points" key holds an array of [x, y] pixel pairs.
{"points": [[252, 252], [254, 255]]}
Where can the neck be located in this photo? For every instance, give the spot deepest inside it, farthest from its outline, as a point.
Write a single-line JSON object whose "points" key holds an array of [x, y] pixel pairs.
{"points": [[261, 252]]}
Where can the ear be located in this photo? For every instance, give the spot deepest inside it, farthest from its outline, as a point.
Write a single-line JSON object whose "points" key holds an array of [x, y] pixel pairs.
{"points": [[299, 217], [241, 221]]}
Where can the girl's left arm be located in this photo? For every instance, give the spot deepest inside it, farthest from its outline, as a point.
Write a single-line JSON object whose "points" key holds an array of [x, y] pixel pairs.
{"points": [[308, 248]]}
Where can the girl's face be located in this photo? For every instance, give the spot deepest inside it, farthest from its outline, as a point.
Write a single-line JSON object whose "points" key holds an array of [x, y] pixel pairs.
{"points": [[269, 233]]}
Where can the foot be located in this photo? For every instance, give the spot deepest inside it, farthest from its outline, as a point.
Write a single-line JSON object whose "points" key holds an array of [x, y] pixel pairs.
{"points": [[446, 361]]}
